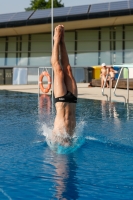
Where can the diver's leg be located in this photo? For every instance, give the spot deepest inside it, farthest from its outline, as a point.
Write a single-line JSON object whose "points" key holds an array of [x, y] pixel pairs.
{"points": [[59, 85], [68, 76]]}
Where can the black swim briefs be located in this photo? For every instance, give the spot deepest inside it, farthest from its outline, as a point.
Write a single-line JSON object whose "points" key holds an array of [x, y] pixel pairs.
{"points": [[68, 97]]}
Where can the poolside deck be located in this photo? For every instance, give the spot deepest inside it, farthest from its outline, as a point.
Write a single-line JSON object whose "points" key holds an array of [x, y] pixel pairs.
{"points": [[122, 83], [83, 91]]}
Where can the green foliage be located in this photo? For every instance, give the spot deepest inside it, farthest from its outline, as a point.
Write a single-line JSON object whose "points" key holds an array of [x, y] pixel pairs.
{"points": [[43, 4]]}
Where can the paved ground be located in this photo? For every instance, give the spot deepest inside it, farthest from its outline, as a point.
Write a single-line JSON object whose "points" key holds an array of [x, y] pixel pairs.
{"points": [[83, 91]]}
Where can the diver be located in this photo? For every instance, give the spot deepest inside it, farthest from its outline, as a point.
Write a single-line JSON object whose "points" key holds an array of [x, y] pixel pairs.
{"points": [[65, 88]]}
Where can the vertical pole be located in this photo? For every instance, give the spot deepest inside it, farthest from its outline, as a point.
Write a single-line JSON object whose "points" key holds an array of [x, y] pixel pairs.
{"points": [[52, 30], [38, 82], [127, 85]]}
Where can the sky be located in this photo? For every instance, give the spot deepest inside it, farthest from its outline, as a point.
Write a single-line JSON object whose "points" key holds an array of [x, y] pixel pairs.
{"points": [[13, 6]]}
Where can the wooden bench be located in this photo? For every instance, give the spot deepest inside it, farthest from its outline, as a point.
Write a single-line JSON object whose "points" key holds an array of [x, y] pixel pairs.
{"points": [[122, 83]]}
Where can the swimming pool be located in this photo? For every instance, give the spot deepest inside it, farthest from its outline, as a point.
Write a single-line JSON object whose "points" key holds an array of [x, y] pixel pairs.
{"points": [[100, 168]]}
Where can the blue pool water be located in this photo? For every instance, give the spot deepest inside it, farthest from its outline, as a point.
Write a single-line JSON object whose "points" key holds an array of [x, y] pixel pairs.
{"points": [[99, 166]]}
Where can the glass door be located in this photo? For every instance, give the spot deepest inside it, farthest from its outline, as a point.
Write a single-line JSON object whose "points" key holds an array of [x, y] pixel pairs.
{"points": [[8, 76], [1, 76]]}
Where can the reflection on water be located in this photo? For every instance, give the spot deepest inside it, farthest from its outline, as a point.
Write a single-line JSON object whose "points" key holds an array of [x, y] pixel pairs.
{"points": [[110, 110], [101, 168], [45, 110], [100, 119], [65, 178], [64, 175], [44, 104]]}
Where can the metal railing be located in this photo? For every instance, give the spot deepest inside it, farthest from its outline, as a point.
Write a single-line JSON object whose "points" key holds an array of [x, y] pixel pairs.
{"points": [[122, 67], [108, 78], [126, 100]]}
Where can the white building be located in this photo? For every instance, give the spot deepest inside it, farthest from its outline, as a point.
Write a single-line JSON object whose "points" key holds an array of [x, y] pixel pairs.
{"points": [[94, 34]]}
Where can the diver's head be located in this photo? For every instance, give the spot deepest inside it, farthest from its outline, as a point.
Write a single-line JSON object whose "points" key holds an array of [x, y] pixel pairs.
{"points": [[63, 140]]}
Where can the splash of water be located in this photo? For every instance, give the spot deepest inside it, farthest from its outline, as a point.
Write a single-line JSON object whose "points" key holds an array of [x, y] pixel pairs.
{"points": [[63, 143], [91, 138]]}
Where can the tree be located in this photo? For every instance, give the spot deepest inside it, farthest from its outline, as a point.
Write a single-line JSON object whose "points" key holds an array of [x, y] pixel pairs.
{"points": [[43, 4]]}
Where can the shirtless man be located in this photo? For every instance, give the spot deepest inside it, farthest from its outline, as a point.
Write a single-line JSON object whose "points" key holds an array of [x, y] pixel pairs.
{"points": [[65, 88], [112, 73]]}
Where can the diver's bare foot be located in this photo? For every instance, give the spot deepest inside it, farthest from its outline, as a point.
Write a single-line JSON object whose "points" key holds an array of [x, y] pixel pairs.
{"points": [[57, 34]]}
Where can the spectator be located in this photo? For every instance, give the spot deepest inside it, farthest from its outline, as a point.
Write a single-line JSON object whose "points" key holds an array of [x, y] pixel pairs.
{"points": [[103, 74], [112, 73]]}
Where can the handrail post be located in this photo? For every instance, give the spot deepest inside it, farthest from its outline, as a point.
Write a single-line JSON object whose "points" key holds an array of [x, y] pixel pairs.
{"points": [[117, 84]]}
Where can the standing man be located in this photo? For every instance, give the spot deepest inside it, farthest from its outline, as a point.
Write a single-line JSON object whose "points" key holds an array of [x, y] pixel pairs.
{"points": [[104, 72], [65, 88]]}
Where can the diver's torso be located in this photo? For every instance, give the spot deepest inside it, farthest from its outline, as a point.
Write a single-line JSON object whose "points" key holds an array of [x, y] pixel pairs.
{"points": [[65, 117]]}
